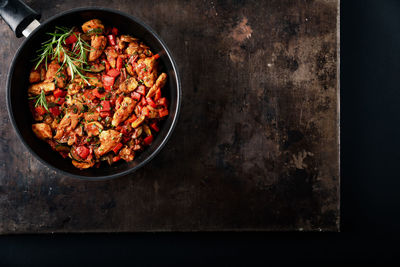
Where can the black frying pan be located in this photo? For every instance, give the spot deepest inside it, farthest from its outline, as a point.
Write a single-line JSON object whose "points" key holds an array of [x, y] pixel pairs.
{"points": [[21, 20]]}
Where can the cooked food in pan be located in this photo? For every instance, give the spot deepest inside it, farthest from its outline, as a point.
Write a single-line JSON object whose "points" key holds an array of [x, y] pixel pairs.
{"points": [[96, 95]]}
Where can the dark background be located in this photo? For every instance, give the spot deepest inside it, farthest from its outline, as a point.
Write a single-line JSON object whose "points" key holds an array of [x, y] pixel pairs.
{"points": [[370, 130]]}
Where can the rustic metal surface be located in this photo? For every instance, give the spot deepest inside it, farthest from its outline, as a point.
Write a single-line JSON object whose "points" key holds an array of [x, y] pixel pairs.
{"points": [[256, 146]]}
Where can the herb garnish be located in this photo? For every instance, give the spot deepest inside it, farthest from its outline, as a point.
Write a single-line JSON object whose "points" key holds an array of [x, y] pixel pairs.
{"points": [[41, 100]]}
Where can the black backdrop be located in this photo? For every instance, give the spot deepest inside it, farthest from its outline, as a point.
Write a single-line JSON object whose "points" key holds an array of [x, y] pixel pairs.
{"points": [[370, 164]]}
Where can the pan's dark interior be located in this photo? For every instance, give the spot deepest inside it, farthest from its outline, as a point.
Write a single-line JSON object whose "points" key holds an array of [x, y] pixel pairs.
{"points": [[18, 83]]}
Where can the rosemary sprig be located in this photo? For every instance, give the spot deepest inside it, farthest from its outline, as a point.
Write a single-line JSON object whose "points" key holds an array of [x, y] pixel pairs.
{"points": [[41, 100], [54, 48]]}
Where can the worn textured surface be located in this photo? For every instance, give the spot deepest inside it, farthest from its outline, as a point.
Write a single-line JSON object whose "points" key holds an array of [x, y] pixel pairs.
{"points": [[256, 146]]}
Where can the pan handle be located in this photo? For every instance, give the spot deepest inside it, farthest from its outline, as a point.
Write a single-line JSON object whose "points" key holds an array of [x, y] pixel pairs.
{"points": [[18, 16]]}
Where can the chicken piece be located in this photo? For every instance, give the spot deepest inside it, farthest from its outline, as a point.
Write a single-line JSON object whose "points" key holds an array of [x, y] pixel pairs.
{"points": [[127, 154], [108, 140], [124, 110], [147, 70], [90, 26], [130, 70], [53, 74], [128, 39], [34, 76], [160, 82], [133, 48], [36, 89], [93, 128], [66, 125], [98, 43], [138, 121], [127, 86], [75, 85], [83, 165], [91, 116], [138, 132], [111, 55], [42, 130], [94, 80]]}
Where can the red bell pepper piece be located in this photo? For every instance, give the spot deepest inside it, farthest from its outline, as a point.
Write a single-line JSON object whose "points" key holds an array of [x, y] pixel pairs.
{"points": [[141, 90], [113, 73], [111, 39], [71, 39], [55, 111], [136, 96], [157, 95], [105, 105], [156, 56], [144, 102], [117, 148], [97, 94], [82, 151], [130, 120], [116, 158], [163, 112], [60, 100], [108, 81], [151, 102], [148, 140], [59, 93], [114, 31], [40, 110], [119, 63], [119, 101], [154, 126], [108, 66]]}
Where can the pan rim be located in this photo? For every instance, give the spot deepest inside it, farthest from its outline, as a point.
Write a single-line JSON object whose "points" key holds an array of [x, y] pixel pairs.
{"points": [[178, 97]]}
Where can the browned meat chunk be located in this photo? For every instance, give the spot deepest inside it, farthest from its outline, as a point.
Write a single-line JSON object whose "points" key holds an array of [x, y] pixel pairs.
{"points": [[127, 86], [147, 70], [91, 25], [83, 165], [160, 82], [93, 128], [124, 110], [53, 74], [108, 140], [42, 130], [111, 55], [47, 87], [127, 154], [66, 125], [98, 43]]}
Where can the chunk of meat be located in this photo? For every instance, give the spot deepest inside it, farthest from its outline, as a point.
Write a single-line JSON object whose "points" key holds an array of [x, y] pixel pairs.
{"points": [[42, 130], [108, 140], [89, 26], [111, 55], [53, 74], [160, 82], [66, 125], [93, 128], [98, 43], [36, 89], [83, 165], [127, 154], [124, 110], [34, 76], [127, 86], [147, 70], [94, 80], [91, 116], [133, 48], [75, 85], [128, 38]]}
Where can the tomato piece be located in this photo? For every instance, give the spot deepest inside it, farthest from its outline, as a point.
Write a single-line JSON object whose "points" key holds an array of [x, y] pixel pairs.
{"points": [[162, 102], [108, 81], [144, 102], [40, 110], [89, 94], [59, 93], [82, 151], [116, 158], [154, 126], [141, 90], [117, 148], [119, 63], [163, 112], [156, 56], [151, 102], [55, 111], [145, 111], [130, 120], [114, 31], [111, 39], [105, 105], [113, 73], [60, 100], [71, 39], [148, 140], [136, 96], [105, 114], [157, 95]]}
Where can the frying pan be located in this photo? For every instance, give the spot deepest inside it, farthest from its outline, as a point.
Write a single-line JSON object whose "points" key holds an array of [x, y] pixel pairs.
{"points": [[23, 21]]}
